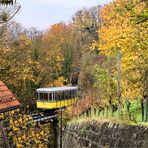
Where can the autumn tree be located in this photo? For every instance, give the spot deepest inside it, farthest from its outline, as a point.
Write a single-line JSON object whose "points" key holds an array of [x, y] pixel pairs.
{"points": [[22, 62], [59, 43], [85, 23], [119, 35]]}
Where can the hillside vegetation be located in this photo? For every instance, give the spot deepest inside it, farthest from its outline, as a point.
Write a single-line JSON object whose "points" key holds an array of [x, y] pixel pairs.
{"points": [[105, 45]]}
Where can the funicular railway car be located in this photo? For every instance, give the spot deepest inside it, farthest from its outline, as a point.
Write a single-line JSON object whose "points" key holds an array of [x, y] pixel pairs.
{"points": [[56, 97]]}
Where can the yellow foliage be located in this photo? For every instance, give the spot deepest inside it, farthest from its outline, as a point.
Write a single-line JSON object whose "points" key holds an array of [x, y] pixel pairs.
{"points": [[118, 34], [21, 134], [59, 82]]}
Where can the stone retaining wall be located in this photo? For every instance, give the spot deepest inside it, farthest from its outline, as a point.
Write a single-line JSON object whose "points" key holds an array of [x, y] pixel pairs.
{"points": [[103, 134]]}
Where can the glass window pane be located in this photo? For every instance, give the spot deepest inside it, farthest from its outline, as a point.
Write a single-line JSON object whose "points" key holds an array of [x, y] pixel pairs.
{"points": [[41, 96], [57, 96], [45, 97], [62, 96], [50, 97]]}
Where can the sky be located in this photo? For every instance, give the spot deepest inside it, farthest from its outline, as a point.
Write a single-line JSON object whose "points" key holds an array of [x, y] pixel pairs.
{"points": [[44, 13]]}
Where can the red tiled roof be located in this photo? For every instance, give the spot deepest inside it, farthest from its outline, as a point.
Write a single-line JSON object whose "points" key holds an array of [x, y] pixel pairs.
{"points": [[7, 100]]}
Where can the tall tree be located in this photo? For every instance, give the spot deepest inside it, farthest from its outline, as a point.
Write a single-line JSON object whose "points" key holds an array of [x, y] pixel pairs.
{"points": [[120, 35]]}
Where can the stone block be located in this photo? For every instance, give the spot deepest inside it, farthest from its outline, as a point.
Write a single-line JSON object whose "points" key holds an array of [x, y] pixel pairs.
{"points": [[94, 145], [83, 142]]}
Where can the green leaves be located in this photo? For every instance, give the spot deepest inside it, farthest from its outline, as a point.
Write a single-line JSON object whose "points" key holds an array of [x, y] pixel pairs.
{"points": [[143, 17]]}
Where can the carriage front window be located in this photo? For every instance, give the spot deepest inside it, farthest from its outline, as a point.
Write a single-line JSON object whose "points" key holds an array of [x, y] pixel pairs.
{"points": [[58, 96], [41, 96]]}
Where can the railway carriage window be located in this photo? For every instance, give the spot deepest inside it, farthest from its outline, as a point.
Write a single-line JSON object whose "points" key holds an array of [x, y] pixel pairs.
{"points": [[72, 94], [41, 96], [66, 95], [45, 97], [50, 97], [62, 95], [54, 96], [57, 96], [69, 95]]}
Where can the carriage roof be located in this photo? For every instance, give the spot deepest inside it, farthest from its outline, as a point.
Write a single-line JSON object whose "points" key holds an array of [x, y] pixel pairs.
{"points": [[56, 89]]}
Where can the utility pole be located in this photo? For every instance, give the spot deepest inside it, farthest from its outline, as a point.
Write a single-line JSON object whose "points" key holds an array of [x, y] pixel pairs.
{"points": [[61, 128], [54, 126]]}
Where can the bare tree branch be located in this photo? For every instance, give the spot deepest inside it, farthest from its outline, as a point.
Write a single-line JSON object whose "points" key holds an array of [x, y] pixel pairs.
{"points": [[2, 22]]}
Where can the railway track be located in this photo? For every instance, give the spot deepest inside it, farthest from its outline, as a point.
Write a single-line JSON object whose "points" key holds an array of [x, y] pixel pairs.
{"points": [[41, 118]]}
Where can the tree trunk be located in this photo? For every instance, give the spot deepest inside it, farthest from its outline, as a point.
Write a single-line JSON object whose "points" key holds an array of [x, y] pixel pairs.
{"points": [[107, 111], [118, 83], [111, 105], [128, 109], [142, 109], [146, 114], [98, 110]]}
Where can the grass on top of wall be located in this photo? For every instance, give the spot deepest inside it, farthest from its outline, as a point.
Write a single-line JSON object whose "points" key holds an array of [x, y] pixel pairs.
{"points": [[130, 118]]}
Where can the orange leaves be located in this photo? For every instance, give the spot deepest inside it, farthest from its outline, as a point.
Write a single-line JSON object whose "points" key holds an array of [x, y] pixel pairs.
{"points": [[54, 32], [82, 105], [55, 38], [57, 28]]}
